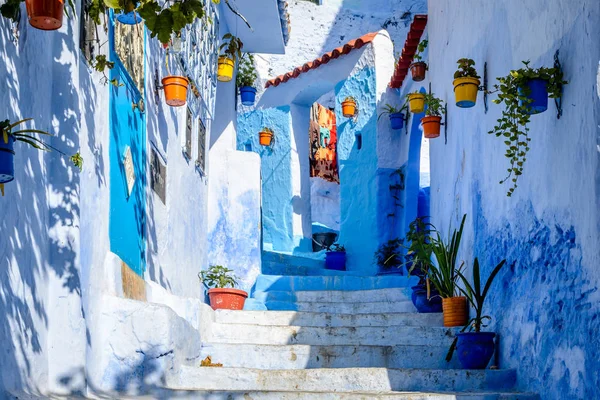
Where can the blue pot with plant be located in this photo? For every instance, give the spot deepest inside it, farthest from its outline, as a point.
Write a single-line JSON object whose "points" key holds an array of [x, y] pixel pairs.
{"points": [[246, 78], [335, 258], [426, 304], [536, 92], [7, 159], [396, 115], [475, 349]]}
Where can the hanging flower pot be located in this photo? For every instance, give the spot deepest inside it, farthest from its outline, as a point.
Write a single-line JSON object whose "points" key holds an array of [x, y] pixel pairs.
{"points": [[248, 95], [538, 95], [475, 349], [418, 71], [129, 18], [416, 102], [227, 299], [7, 159], [431, 126], [175, 90], [465, 91], [46, 15], [225, 71], [397, 120], [455, 311], [265, 137], [349, 107]]}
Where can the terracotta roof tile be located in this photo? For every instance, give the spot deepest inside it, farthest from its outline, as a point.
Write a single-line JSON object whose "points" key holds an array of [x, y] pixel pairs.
{"points": [[324, 59], [408, 51]]}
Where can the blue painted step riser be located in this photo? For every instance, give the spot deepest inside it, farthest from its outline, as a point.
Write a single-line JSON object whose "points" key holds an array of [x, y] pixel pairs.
{"points": [[305, 283]]}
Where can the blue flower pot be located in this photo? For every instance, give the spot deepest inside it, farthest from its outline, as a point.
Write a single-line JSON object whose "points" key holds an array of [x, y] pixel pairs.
{"points": [[130, 18], [475, 349], [397, 120], [423, 305], [248, 95], [538, 94], [335, 260], [7, 160]]}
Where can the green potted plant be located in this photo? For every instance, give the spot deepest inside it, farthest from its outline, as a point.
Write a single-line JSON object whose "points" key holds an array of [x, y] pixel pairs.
{"points": [[475, 348], [419, 67], [444, 276], [335, 258], [231, 51], [396, 115], [466, 83], [9, 136], [524, 91], [246, 78], [389, 255], [222, 293], [433, 116]]}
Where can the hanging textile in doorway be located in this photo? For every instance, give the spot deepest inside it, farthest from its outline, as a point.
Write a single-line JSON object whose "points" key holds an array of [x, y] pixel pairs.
{"points": [[322, 133]]}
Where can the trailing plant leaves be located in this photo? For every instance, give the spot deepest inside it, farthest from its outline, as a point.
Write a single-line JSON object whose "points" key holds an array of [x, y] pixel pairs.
{"points": [[11, 9]]}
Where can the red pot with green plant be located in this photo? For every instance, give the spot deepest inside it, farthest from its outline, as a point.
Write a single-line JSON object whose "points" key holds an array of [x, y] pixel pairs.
{"points": [[418, 68], [221, 283]]}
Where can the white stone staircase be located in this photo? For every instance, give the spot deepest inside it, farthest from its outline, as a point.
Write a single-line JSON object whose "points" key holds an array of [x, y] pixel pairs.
{"points": [[336, 344]]}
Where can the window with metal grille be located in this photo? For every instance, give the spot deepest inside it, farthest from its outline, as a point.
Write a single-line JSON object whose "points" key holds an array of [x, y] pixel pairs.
{"points": [[88, 33], [201, 161], [189, 122]]}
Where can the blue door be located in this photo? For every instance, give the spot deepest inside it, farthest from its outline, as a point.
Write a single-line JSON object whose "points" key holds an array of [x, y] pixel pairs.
{"points": [[127, 152]]}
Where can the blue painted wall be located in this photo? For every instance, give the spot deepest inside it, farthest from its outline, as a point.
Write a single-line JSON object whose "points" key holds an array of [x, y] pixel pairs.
{"points": [[277, 208]]}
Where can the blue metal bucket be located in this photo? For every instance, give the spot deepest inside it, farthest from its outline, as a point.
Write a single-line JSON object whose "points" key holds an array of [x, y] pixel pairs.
{"points": [[248, 95]]}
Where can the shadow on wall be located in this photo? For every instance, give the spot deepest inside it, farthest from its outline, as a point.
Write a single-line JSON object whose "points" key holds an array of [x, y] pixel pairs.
{"points": [[40, 217]]}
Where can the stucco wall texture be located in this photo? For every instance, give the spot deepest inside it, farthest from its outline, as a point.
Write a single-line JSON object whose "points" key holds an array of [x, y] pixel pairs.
{"points": [[546, 301]]}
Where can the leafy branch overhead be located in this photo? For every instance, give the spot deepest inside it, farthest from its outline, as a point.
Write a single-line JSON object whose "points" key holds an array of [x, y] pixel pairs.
{"points": [[231, 47], [513, 125]]}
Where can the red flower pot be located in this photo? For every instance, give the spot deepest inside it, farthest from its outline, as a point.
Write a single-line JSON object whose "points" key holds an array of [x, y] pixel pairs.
{"points": [[418, 71], [227, 299], [431, 126], [46, 15]]}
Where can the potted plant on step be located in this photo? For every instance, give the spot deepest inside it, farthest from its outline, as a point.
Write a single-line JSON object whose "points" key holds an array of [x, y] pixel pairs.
{"points": [[246, 78], [433, 116], [416, 102], [475, 349], [396, 115], [424, 296], [444, 276], [335, 258], [524, 92], [389, 255], [8, 137], [466, 83], [222, 293], [231, 50], [419, 67]]}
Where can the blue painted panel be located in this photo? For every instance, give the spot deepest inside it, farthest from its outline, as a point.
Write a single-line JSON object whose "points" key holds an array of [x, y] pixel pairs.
{"points": [[127, 217]]}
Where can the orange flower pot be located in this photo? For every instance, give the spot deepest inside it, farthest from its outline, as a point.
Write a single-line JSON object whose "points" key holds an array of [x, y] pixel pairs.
{"points": [[455, 311], [176, 88], [265, 138], [227, 299], [348, 108], [46, 15], [431, 126], [418, 71]]}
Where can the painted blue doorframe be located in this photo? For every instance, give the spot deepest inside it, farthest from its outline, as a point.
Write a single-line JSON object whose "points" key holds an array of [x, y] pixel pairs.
{"points": [[127, 219]]}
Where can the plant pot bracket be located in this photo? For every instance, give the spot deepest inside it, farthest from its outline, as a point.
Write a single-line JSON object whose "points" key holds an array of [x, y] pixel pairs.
{"points": [[484, 88], [558, 100], [445, 123]]}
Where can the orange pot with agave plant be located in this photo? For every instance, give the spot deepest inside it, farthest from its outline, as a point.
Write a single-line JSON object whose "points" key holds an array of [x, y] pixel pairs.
{"points": [[432, 120], [444, 275]]}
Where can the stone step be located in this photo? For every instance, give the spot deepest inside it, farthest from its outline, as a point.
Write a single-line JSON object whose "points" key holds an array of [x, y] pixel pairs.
{"points": [[357, 395], [271, 268], [344, 308], [341, 380], [364, 335], [297, 318], [347, 283], [306, 356], [336, 296], [311, 260]]}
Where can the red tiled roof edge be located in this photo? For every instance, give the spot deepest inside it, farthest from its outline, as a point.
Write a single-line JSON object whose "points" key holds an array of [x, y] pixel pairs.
{"points": [[324, 59], [408, 51]]}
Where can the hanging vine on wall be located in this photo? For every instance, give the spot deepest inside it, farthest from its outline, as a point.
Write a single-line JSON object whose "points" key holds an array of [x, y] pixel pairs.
{"points": [[515, 92]]}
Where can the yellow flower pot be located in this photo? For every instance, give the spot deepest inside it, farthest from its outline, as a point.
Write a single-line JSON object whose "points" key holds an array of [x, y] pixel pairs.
{"points": [[225, 71], [465, 91], [416, 102]]}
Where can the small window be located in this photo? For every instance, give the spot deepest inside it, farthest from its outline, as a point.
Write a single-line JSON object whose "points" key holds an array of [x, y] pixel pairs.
{"points": [[188, 135], [88, 35], [201, 161]]}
